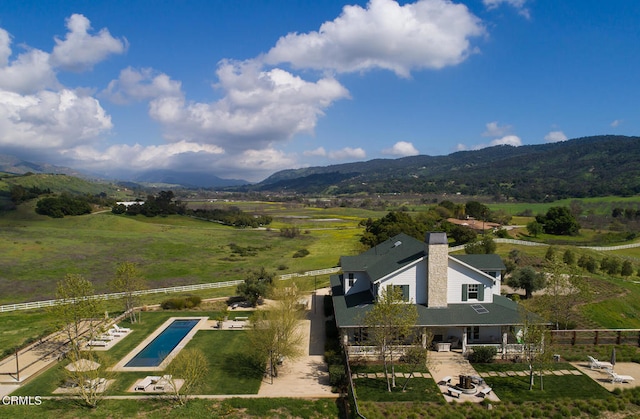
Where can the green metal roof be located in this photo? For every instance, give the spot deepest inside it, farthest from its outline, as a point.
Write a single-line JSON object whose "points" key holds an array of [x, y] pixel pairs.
{"points": [[385, 258], [488, 262], [351, 310]]}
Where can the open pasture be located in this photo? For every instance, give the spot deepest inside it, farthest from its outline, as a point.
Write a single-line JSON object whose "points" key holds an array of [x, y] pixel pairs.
{"points": [[37, 252]]}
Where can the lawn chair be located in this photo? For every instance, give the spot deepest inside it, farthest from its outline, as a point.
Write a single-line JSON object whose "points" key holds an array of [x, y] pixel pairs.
{"points": [[616, 378], [595, 364], [121, 329]]}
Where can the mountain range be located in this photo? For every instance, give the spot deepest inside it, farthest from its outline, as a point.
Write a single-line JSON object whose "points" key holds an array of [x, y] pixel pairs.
{"points": [[582, 167], [589, 166]]}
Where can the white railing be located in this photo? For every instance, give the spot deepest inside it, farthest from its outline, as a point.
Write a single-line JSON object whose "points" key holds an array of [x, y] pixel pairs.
{"points": [[182, 288]]}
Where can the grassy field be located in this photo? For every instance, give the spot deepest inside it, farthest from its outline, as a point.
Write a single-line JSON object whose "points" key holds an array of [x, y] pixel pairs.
{"points": [[38, 251]]}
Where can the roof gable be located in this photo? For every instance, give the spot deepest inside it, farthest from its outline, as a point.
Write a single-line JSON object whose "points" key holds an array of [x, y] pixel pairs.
{"points": [[385, 258]]}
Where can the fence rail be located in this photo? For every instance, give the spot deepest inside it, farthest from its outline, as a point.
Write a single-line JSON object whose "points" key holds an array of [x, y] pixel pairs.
{"points": [[182, 288]]}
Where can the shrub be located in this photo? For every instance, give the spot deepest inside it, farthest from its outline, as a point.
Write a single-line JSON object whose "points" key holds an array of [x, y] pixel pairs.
{"points": [[337, 376], [173, 304], [301, 253], [483, 355], [180, 303]]}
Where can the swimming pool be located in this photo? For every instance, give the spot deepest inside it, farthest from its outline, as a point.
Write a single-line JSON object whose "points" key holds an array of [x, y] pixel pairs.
{"points": [[159, 348]]}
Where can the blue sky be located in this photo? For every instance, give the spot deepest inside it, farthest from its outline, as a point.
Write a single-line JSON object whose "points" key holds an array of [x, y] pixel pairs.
{"points": [[242, 89]]}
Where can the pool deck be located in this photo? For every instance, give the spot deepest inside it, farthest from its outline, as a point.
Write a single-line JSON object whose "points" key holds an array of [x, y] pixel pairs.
{"points": [[120, 366]]}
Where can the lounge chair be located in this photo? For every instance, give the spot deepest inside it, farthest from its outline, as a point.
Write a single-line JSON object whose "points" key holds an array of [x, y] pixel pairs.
{"points": [[142, 386], [615, 378], [93, 384], [114, 332], [595, 364], [97, 343], [121, 329], [163, 382], [106, 337]]}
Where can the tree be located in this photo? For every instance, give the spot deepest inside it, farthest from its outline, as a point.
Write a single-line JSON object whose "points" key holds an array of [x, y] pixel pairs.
{"points": [[390, 323], [526, 278], [88, 372], [192, 367], [565, 288], [627, 268], [77, 313], [276, 334], [533, 336], [256, 286], [128, 280], [486, 245], [559, 221], [534, 228]]}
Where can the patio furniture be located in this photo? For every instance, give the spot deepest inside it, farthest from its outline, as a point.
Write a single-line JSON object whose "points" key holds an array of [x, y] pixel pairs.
{"points": [[484, 392], [165, 380], [443, 346], [97, 343], [454, 392], [595, 364], [616, 378], [121, 329], [445, 380], [142, 385]]}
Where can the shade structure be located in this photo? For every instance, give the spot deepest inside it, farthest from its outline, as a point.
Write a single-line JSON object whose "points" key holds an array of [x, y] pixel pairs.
{"points": [[83, 365]]}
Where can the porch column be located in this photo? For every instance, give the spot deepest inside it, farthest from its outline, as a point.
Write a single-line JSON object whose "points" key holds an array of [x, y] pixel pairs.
{"points": [[424, 338], [345, 337], [505, 341], [464, 340]]}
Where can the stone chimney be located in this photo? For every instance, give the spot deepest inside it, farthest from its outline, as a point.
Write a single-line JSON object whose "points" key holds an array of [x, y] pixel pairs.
{"points": [[437, 268]]}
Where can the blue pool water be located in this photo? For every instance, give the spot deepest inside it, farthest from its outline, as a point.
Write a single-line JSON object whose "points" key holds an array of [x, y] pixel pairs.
{"points": [[157, 350]]}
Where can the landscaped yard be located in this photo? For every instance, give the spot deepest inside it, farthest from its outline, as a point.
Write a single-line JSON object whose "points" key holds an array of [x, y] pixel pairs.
{"points": [[230, 370]]}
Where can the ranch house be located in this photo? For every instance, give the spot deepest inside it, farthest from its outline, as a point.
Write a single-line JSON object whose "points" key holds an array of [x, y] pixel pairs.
{"points": [[457, 296]]}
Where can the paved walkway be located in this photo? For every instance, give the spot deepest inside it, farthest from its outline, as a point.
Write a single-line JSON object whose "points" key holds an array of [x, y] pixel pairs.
{"points": [[307, 376]]}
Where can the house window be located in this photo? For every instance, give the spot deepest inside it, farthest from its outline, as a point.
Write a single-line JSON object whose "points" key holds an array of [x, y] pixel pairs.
{"points": [[472, 291], [404, 289], [351, 279]]}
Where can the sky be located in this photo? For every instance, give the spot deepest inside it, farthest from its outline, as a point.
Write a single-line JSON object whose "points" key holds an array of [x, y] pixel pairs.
{"points": [[242, 89]]}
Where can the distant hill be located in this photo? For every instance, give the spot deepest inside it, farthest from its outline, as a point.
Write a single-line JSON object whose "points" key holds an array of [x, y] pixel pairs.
{"points": [[151, 178], [582, 167], [185, 179]]}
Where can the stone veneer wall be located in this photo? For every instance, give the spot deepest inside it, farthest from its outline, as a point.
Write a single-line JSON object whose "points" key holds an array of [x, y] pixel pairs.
{"points": [[437, 269]]}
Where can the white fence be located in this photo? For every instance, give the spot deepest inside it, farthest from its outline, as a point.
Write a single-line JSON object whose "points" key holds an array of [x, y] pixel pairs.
{"points": [[183, 288]]}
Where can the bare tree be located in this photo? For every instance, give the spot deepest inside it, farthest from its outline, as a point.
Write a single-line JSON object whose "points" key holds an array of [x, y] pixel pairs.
{"points": [[128, 280], [390, 323], [533, 337], [76, 315], [191, 367], [276, 333], [88, 375]]}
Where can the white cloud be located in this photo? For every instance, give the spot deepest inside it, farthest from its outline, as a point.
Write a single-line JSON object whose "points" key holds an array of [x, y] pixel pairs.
{"points": [[513, 140], [28, 73], [136, 85], [519, 5], [50, 120], [318, 152], [495, 130], [258, 108], [5, 47], [425, 34], [79, 50], [555, 136], [461, 147], [616, 123], [402, 148], [348, 153]]}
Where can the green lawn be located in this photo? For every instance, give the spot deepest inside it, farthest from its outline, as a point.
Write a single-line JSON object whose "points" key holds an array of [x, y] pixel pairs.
{"points": [[231, 371]]}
